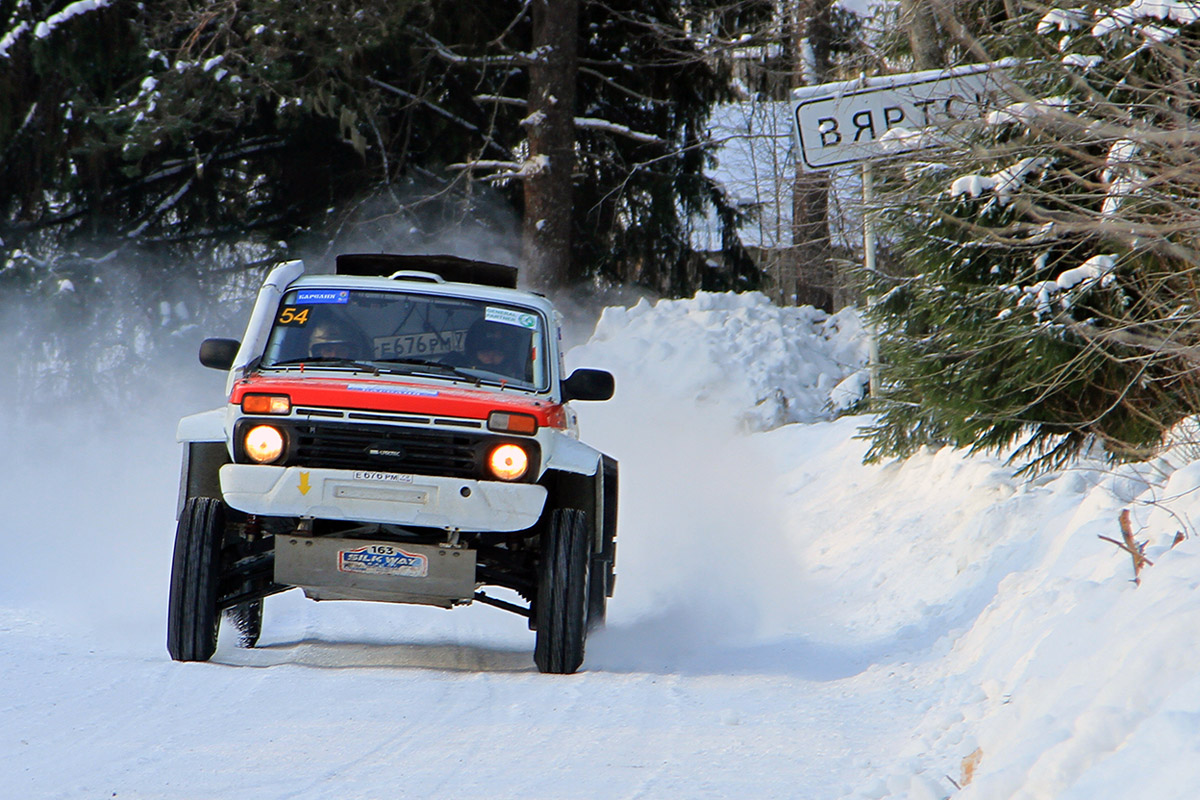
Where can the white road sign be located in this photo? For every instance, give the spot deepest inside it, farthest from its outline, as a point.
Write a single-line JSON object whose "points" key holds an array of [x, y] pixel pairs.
{"points": [[841, 123]]}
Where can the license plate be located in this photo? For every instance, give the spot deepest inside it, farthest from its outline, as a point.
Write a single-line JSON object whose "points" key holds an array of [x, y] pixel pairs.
{"points": [[420, 344]]}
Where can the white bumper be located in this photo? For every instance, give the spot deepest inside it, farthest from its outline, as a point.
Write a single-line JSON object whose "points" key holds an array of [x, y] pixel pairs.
{"points": [[417, 500]]}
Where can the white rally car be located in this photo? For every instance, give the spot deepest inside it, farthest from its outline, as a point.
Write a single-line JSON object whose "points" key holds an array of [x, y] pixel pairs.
{"points": [[406, 439]]}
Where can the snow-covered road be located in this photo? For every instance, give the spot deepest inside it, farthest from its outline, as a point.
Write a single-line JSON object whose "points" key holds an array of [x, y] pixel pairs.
{"points": [[698, 688], [335, 707]]}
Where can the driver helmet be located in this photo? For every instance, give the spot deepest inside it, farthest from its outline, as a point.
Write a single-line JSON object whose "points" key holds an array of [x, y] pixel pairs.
{"points": [[494, 345], [330, 340]]}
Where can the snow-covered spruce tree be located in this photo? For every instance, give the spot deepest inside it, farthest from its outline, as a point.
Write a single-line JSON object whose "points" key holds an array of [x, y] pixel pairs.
{"points": [[1047, 296]]}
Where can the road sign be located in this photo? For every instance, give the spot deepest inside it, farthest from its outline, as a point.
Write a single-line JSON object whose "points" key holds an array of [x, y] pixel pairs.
{"points": [[846, 122]]}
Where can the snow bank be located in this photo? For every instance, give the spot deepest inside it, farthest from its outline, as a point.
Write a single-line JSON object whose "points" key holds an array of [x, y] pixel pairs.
{"points": [[1073, 682], [1041, 669], [693, 378], [752, 362]]}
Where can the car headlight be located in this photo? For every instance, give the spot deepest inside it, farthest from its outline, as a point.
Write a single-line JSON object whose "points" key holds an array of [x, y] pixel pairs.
{"points": [[508, 462], [263, 444]]}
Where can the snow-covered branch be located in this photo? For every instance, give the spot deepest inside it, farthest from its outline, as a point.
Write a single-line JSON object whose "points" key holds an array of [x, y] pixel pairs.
{"points": [[501, 100], [489, 142], [449, 56], [47, 26], [473, 166], [592, 124], [165, 205], [11, 38]]}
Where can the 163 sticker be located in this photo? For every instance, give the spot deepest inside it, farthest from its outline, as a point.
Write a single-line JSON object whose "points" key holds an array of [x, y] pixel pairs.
{"points": [[383, 559]]}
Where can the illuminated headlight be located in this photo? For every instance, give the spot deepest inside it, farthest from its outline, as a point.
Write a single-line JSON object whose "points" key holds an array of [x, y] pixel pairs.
{"points": [[508, 462], [263, 444]]}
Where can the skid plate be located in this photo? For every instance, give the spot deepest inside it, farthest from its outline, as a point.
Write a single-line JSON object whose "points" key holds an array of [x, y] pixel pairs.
{"points": [[356, 569]]}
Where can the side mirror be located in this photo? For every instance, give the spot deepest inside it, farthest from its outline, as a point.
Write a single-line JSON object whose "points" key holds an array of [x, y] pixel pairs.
{"points": [[219, 353], [588, 384]]}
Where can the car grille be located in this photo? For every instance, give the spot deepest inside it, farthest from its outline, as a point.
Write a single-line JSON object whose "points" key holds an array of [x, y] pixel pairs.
{"points": [[391, 449]]}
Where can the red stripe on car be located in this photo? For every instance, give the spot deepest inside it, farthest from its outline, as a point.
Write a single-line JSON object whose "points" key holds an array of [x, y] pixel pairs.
{"points": [[399, 397]]}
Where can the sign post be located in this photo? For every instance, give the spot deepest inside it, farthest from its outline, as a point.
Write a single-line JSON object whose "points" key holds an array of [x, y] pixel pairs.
{"points": [[859, 121], [868, 194]]}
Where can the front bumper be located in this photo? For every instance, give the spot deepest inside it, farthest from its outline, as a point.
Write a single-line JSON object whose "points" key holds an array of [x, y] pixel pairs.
{"points": [[382, 497]]}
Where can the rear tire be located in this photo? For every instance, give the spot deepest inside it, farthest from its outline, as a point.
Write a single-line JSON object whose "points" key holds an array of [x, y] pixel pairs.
{"points": [[562, 601], [192, 616]]}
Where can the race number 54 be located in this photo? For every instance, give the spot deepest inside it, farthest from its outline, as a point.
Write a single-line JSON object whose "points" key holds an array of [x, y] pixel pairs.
{"points": [[293, 316]]}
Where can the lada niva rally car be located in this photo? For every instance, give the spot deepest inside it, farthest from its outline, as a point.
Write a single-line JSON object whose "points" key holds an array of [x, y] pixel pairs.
{"points": [[407, 439]]}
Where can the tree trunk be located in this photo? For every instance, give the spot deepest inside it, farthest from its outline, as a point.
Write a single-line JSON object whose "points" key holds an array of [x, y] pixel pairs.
{"points": [[814, 281], [919, 20], [550, 127]]}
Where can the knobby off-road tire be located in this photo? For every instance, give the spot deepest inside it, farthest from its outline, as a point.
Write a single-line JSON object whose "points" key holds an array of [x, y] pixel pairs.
{"points": [[192, 615], [562, 601], [247, 618]]}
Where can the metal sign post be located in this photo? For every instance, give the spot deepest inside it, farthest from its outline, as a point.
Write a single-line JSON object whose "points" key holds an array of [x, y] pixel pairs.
{"points": [[868, 194]]}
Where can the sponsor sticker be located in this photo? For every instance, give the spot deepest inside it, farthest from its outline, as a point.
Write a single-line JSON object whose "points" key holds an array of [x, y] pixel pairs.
{"points": [[508, 316], [318, 296], [393, 390], [383, 559], [382, 477]]}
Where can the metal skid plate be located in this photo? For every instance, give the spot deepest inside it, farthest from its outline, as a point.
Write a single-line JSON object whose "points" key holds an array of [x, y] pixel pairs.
{"points": [[357, 569]]}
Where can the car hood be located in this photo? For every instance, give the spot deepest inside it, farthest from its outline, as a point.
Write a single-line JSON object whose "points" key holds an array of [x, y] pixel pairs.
{"points": [[366, 394]]}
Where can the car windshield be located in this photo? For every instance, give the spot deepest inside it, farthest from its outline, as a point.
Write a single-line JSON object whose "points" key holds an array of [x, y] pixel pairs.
{"points": [[434, 335]]}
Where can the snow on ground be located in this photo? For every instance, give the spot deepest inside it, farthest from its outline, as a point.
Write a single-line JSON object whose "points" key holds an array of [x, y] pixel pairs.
{"points": [[788, 623]]}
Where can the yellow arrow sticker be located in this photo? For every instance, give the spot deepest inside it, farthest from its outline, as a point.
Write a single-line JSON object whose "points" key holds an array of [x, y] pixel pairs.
{"points": [[304, 484]]}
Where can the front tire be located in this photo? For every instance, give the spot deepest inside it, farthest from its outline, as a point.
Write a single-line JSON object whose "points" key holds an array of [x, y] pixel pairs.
{"points": [[562, 600], [192, 615]]}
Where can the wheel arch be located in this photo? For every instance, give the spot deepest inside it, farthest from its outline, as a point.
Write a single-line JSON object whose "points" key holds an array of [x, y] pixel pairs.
{"points": [[200, 471], [593, 492]]}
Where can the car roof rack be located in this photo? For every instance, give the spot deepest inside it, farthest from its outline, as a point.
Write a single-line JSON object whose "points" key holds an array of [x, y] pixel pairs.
{"points": [[450, 268]]}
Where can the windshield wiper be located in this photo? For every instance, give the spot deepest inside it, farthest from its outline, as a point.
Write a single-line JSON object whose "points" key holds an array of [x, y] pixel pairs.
{"points": [[329, 361], [427, 362], [476, 374]]}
